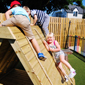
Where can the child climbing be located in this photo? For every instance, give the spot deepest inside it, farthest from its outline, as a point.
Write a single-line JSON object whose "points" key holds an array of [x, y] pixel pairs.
{"points": [[52, 45], [41, 19], [21, 19]]}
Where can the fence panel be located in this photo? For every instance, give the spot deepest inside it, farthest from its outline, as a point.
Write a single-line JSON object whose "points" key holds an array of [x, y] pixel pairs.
{"points": [[60, 27], [77, 44]]}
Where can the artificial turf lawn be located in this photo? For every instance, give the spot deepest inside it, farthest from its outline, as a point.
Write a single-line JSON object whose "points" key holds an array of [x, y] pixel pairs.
{"points": [[78, 63]]}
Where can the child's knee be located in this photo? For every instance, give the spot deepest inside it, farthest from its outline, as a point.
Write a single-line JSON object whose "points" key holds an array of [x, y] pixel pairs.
{"points": [[62, 60]]}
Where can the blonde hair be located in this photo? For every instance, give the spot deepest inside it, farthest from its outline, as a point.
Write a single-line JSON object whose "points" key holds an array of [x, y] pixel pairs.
{"points": [[26, 8], [49, 35]]}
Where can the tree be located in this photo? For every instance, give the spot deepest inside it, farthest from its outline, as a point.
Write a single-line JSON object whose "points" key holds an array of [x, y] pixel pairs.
{"points": [[3, 7], [48, 5]]}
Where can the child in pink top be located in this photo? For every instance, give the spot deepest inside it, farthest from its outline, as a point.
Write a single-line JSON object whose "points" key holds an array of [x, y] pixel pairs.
{"points": [[53, 46]]}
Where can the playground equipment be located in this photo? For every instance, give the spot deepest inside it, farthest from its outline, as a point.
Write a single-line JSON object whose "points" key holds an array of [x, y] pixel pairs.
{"points": [[14, 47], [77, 44]]}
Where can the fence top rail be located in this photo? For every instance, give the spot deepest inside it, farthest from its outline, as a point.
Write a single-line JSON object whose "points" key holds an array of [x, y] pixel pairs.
{"points": [[77, 37]]}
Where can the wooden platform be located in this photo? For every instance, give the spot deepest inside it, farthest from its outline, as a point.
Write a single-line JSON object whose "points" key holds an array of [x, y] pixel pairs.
{"points": [[67, 51]]}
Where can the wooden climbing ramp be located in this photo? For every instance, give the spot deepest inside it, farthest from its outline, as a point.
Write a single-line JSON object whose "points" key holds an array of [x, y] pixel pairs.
{"points": [[15, 47]]}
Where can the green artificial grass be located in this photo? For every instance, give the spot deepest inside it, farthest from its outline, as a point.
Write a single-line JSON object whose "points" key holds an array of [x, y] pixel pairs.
{"points": [[78, 63]]}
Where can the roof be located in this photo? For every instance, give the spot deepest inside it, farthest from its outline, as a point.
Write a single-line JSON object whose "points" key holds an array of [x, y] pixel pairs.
{"points": [[72, 7], [84, 10]]}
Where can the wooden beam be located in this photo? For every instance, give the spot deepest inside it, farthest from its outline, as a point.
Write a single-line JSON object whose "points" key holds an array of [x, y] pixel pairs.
{"points": [[6, 33]]}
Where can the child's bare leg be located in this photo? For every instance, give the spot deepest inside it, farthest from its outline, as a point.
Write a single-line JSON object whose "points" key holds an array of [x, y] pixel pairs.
{"points": [[64, 73], [37, 48], [60, 66], [35, 45], [62, 59], [72, 71]]}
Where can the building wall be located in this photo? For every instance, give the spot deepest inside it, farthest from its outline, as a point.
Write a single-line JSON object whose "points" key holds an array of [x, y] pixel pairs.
{"points": [[70, 15]]}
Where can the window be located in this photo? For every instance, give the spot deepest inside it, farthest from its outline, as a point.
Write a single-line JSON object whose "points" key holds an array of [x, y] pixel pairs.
{"points": [[75, 13]]}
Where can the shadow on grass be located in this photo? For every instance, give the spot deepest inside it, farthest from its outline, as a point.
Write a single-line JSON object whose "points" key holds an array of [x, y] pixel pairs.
{"points": [[81, 57]]}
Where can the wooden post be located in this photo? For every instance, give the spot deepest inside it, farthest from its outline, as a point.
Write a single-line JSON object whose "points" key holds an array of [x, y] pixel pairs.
{"points": [[1, 84]]}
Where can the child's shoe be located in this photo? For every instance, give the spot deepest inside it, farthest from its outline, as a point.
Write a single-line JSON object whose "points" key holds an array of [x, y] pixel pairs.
{"points": [[41, 56], [66, 79], [72, 74]]}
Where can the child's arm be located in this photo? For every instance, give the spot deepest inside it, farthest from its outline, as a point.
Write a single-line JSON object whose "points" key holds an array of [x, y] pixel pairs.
{"points": [[34, 20], [57, 49], [45, 43], [8, 13]]}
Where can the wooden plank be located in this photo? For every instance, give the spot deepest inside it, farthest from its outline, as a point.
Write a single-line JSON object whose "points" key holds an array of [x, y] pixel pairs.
{"points": [[37, 37], [2, 17], [29, 55], [3, 49], [41, 75], [11, 63], [26, 49], [48, 61], [4, 60], [5, 44], [37, 28], [52, 72], [45, 82], [67, 51], [34, 78], [34, 32], [0, 43], [33, 62], [7, 62], [19, 36], [15, 30], [39, 41], [6, 33], [37, 68], [42, 46], [44, 51], [22, 42]]}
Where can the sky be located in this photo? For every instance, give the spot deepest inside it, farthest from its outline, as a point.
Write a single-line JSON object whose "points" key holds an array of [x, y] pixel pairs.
{"points": [[83, 1]]}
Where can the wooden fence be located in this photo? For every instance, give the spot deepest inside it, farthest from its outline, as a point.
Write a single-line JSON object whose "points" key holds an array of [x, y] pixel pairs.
{"points": [[60, 26]]}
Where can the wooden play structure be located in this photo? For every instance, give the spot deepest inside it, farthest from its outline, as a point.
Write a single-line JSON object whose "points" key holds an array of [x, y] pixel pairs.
{"points": [[77, 44], [15, 47]]}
